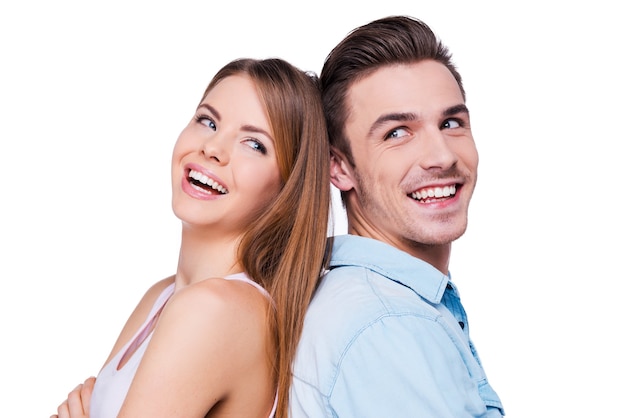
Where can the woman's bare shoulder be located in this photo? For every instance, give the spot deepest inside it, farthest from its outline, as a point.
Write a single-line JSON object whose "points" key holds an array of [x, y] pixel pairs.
{"points": [[211, 341], [227, 305]]}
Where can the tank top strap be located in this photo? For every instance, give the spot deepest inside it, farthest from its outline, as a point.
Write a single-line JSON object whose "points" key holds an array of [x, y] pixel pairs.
{"points": [[146, 328], [244, 278]]}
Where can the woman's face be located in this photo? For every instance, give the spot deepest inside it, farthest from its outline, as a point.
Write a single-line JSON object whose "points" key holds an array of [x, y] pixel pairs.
{"points": [[224, 167]]}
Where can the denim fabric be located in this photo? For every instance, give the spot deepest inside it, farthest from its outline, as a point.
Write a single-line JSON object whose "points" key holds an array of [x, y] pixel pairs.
{"points": [[386, 335]]}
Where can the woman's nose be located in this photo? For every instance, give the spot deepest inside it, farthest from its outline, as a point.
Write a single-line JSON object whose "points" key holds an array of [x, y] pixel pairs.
{"points": [[216, 149]]}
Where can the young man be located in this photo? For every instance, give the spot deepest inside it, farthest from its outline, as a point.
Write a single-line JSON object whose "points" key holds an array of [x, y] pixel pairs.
{"points": [[386, 334]]}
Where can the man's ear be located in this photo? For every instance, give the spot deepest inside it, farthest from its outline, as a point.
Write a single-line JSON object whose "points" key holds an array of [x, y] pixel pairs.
{"points": [[341, 173]]}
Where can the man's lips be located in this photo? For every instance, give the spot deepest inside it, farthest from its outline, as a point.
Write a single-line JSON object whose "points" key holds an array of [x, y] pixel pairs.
{"points": [[428, 194]]}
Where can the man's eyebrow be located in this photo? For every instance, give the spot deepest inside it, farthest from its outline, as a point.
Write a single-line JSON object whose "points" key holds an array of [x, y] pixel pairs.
{"points": [[397, 117], [410, 116], [454, 110], [211, 109]]}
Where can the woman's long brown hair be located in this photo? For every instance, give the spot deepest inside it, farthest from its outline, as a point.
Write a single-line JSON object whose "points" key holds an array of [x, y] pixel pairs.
{"points": [[285, 249]]}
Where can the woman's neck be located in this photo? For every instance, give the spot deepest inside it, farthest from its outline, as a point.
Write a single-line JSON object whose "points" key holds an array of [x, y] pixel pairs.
{"points": [[204, 255]]}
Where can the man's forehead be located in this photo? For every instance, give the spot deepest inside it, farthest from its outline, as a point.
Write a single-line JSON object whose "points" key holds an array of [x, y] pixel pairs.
{"points": [[417, 88]]}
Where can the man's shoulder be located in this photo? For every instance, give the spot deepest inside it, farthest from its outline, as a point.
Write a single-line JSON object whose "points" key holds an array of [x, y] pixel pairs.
{"points": [[350, 298], [356, 258], [352, 304]]}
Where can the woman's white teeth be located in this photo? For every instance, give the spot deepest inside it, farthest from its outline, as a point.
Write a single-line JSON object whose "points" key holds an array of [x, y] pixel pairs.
{"points": [[196, 175], [435, 192]]}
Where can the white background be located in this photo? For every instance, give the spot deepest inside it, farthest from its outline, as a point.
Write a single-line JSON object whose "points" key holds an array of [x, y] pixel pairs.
{"points": [[94, 94]]}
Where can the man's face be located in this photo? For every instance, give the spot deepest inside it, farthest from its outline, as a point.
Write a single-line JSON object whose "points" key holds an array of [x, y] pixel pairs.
{"points": [[415, 158]]}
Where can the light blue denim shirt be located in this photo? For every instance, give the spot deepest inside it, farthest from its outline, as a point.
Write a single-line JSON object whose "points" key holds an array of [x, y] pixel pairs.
{"points": [[386, 336]]}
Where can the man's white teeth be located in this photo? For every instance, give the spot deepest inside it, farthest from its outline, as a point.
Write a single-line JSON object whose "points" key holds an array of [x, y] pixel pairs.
{"points": [[435, 192], [206, 180]]}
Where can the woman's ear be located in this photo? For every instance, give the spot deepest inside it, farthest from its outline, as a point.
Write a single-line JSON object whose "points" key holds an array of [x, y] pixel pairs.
{"points": [[341, 174]]}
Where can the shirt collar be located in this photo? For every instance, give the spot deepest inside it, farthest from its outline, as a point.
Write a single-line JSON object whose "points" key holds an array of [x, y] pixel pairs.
{"points": [[390, 262]]}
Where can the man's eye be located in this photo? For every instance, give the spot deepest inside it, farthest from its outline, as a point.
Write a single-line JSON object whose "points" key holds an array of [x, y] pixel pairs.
{"points": [[451, 124], [256, 145], [397, 133]]}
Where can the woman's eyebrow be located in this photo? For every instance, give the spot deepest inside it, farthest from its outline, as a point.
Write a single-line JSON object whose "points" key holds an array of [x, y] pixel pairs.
{"points": [[256, 129], [211, 109]]}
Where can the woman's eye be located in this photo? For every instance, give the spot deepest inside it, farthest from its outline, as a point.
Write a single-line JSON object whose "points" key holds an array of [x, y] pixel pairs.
{"points": [[451, 124], [397, 133], [206, 121], [256, 145]]}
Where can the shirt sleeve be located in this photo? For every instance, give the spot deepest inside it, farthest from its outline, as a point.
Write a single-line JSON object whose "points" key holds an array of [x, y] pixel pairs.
{"points": [[406, 366]]}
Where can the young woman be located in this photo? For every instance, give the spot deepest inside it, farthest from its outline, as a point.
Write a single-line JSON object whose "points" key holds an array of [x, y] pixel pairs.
{"points": [[250, 183]]}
